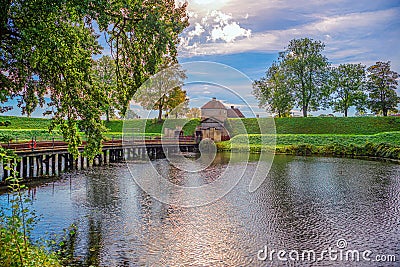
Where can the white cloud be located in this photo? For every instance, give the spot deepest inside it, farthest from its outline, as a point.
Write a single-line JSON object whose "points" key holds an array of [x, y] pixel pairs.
{"points": [[213, 27], [198, 30], [229, 32]]}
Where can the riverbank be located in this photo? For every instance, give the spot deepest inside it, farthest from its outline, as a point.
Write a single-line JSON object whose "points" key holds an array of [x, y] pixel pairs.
{"points": [[352, 136], [382, 145]]}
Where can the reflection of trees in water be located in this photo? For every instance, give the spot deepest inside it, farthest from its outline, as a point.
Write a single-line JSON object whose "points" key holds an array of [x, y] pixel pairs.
{"points": [[70, 242], [94, 243], [102, 197]]}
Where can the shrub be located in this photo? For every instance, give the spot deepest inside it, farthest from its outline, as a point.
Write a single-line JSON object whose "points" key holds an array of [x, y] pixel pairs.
{"points": [[15, 245]]}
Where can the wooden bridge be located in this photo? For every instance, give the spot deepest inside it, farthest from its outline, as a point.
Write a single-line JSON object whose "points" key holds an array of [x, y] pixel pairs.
{"points": [[52, 158]]}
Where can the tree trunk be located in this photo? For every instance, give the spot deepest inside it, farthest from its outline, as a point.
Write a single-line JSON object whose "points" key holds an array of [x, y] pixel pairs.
{"points": [[345, 112], [385, 112], [305, 111], [107, 115], [159, 113]]}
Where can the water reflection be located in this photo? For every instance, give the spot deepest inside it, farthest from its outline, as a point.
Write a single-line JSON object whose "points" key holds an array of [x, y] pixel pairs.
{"points": [[305, 203]]}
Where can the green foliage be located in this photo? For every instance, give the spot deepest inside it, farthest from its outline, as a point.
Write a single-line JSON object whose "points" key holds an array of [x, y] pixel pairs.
{"points": [[15, 246], [305, 70], [46, 47], [6, 137], [272, 91], [347, 83], [382, 82], [105, 78], [302, 77], [5, 123], [163, 92]]}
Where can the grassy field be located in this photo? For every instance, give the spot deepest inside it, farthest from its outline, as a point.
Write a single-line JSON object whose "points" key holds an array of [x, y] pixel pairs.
{"points": [[313, 125], [319, 125], [23, 128], [315, 134]]}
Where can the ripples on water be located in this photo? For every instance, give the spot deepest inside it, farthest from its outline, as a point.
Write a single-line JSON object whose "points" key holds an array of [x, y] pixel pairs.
{"points": [[305, 203]]}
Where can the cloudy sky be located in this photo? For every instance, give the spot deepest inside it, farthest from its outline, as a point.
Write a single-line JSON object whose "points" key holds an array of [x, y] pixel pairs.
{"points": [[248, 35]]}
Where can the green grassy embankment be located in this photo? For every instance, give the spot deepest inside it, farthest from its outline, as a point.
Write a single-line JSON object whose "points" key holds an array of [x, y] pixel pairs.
{"points": [[320, 125], [360, 136], [24, 129], [365, 136]]}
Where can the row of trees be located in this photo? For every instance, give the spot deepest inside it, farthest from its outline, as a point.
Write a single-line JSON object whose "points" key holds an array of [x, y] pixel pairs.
{"points": [[47, 49], [303, 77]]}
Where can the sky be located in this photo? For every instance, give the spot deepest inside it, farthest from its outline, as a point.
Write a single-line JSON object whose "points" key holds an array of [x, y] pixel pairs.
{"points": [[248, 35]]}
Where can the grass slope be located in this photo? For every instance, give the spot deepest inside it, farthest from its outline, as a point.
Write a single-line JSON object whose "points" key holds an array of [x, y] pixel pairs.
{"points": [[319, 125], [23, 128]]}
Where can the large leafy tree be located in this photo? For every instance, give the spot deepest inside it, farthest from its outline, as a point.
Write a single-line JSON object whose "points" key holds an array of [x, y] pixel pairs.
{"points": [[178, 103], [46, 48], [382, 84], [348, 85], [104, 76], [306, 70], [163, 92], [273, 92]]}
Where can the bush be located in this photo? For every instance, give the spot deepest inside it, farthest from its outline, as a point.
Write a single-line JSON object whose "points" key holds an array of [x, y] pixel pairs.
{"points": [[15, 245]]}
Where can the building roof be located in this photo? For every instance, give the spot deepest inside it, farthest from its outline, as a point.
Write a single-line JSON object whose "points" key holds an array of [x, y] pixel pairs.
{"points": [[211, 120], [234, 113], [213, 104]]}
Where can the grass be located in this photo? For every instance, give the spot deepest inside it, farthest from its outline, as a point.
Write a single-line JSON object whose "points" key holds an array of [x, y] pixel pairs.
{"points": [[377, 145], [313, 135], [19, 123], [152, 126], [320, 125], [320, 139], [24, 129]]}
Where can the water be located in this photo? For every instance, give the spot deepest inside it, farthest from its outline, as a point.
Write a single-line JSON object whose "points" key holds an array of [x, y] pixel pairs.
{"points": [[306, 203]]}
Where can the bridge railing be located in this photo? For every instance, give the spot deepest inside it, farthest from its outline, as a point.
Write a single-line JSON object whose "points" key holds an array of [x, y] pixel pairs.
{"points": [[34, 145]]}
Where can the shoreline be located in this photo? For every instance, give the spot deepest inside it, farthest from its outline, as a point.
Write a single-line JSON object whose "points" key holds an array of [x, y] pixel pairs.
{"points": [[38, 181]]}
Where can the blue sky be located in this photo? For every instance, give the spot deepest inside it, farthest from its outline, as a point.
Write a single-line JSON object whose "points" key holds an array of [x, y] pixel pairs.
{"points": [[248, 35]]}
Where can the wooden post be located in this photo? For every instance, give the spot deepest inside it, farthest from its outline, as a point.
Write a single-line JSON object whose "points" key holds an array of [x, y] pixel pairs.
{"points": [[31, 163], [60, 163], [53, 164], [38, 165], [24, 173]]}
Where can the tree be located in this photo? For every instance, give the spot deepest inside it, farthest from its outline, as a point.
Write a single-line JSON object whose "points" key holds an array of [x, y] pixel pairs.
{"points": [[273, 93], [177, 103], [193, 113], [130, 115], [382, 84], [46, 47], [347, 83], [163, 92], [306, 71], [104, 76]]}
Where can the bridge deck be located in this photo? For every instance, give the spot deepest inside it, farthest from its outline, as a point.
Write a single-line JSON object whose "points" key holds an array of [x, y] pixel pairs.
{"points": [[47, 147]]}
